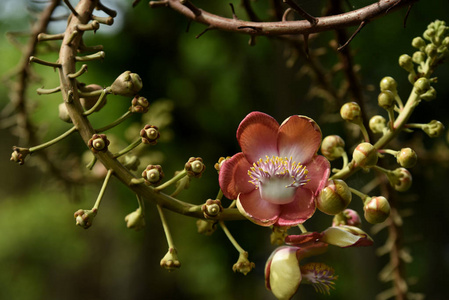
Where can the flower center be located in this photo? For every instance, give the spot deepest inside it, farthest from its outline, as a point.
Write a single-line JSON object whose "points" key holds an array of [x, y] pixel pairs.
{"points": [[278, 178], [320, 276]]}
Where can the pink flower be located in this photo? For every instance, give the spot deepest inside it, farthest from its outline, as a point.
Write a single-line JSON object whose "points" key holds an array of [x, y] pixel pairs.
{"points": [[278, 174]]}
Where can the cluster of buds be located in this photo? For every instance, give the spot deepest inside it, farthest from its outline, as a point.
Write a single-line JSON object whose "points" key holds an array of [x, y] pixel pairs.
{"points": [[139, 105]]}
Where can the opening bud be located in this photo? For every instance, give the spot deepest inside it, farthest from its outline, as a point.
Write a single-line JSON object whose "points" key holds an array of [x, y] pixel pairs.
{"points": [[400, 179], [19, 154], [170, 261], [407, 157], [139, 105], [220, 162], [351, 112], [127, 84], [377, 209], [386, 99], [365, 155], [195, 167], [150, 134], [84, 217], [332, 147], [212, 208], [334, 198], [243, 265], [98, 143], [377, 124], [153, 174]]}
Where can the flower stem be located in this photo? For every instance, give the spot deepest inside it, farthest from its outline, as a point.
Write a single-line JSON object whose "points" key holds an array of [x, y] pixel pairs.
{"points": [[103, 188], [302, 228], [231, 238], [129, 148], [115, 123], [171, 181], [53, 141], [165, 226], [360, 194], [99, 102]]}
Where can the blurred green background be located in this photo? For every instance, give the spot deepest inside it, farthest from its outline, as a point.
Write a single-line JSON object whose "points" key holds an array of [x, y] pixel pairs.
{"points": [[204, 87]]}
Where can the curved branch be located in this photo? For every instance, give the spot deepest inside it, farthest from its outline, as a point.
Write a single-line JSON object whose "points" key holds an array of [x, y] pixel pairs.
{"points": [[352, 18]]}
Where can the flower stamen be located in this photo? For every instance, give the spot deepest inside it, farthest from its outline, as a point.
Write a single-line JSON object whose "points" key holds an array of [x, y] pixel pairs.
{"points": [[320, 276]]}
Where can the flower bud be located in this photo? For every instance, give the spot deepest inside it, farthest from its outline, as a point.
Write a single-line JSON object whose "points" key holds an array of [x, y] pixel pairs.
{"points": [[407, 157], [206, 227], [418, 43], [131, 162], [139, 105], [153, 174], [377, 209], [433, 129], [400, 179], [334, 198], [388, 84], [170, 261], [419, 57], [212, 208], [405, 62], [63, 113], [365, 155], [347, 217], [19, 154], [150, 134], [377, 124], [278, 235], [220, 162], [135, 220], [429, 95], [332, 147], [431, 50], [386, 99], [88, 102], [422, 85], [351, 112], [98, 143], [243, 265], [85, 217], [195, 167], [127, 84], [429, 33]]}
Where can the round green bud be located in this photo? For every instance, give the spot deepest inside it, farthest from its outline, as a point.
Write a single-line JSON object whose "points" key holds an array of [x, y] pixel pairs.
{"points": [[332, 147], [407, 157], [405, 62], [377, 209], [377, 124], [431, 50], [418, 42], [388, 83], [434, 128], [365, 155], [419, 57], [351, 112], [127, 84], [429, 95], [400, 179], [422, 85], [429, 33], [334, 198], [386, 99]]}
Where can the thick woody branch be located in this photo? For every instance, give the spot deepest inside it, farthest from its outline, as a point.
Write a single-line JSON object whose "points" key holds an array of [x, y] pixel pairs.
{"points": [[352, 18]]}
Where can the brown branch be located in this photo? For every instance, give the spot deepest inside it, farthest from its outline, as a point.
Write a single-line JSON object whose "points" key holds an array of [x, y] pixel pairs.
{"points": [[352, 18]]}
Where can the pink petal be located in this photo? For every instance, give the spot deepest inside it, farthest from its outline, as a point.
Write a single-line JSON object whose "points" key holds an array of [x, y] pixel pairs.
{"points": [[303, 239], [300, 138], [257, 136], [256, 209], [234, 178], [298, 211], [319, 170]]}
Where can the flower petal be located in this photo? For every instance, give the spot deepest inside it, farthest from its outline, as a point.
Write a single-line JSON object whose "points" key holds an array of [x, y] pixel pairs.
{"points": [[300, 138], [319, 170], [303, 239], [346, 236], [298, 211], [257, 136], [259, 211], [233, 177]]}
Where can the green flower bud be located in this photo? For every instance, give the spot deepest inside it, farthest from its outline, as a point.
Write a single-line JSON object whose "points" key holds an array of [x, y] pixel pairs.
{"points": [[332, 147], [429, 95], [377, 209], [64, 113], [170, 261], [407, 157], [418, 43], [431, 50], [400, 179], [206, 227], [351, 112], [135, 220], [405, 62], [434, 128], [127, 84], [386, 99], [388, 83], [334, 198], [365, 155], [377, 124], [422, 85], [429, 33], [419, 57]]}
